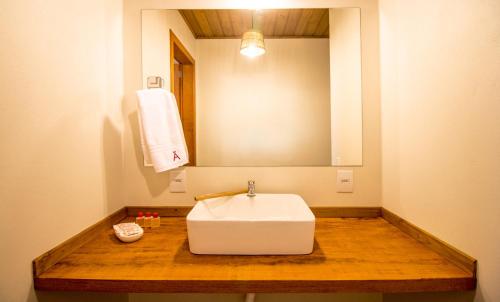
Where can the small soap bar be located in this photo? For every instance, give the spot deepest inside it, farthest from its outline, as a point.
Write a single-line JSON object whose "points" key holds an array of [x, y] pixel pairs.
{"points": [[155, 222], [147, 220], [140, 219]]}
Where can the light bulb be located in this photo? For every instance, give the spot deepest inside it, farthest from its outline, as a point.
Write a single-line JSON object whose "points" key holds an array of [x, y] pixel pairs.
{"points": [[252, 51]]}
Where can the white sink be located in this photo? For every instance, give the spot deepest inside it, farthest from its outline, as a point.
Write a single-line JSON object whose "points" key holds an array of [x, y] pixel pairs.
{"points": [[266, 224]]}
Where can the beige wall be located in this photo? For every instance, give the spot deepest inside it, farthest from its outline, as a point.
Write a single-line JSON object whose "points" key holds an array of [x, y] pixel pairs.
{"points": [[156, 26], [347, 105], [60, 128], [441, 125], [272, 110], [315, 184]]}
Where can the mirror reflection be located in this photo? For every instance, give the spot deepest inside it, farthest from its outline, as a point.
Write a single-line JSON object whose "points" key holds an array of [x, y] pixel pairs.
{"points": [[275, 87]]}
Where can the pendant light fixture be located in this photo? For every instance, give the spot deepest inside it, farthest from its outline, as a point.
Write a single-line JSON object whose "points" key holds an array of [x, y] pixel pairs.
{"points": [[252, 42]]}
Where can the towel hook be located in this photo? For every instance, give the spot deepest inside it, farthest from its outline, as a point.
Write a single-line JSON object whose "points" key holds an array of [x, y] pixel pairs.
{"points": [[154, 82]]}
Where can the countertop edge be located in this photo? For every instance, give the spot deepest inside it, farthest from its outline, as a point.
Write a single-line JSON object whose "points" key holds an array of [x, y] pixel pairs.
{"points": [[256, 286]]}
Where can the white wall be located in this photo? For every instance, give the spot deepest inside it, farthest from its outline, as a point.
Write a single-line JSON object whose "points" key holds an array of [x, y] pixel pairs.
{"points": [[156, 26], [345, 87], [60, 128], [146, 187], [440, 63], [272, 110]]}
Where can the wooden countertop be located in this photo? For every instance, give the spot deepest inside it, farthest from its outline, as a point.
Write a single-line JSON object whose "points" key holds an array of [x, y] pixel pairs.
{"points": [[350, 255]]}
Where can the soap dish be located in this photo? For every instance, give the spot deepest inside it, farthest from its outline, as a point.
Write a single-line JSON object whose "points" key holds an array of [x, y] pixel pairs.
{"points": [[128, 232]]}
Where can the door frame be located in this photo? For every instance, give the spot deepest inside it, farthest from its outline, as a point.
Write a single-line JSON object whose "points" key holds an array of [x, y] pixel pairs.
{"points": [[180, 53]]}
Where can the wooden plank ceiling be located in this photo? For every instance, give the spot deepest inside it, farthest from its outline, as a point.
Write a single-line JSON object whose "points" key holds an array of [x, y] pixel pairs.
{"points": [[276, 23]]}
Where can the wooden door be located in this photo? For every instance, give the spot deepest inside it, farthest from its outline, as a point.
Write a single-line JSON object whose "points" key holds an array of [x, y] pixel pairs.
{"points": [[188, 110], [178, 85], [182, 84]]}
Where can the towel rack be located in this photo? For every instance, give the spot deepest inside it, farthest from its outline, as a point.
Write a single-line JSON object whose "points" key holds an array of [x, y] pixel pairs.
{"points": [[154, 82]]}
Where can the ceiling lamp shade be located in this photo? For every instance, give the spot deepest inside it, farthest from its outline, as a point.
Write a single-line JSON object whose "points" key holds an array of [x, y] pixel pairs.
{"points": [[252, 43]]}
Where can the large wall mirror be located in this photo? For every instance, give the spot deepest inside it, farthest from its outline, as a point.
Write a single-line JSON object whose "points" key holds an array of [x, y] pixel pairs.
{"points": [[277, 87]]}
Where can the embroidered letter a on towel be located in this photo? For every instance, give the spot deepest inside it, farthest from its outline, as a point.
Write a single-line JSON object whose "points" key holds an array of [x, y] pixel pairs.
{"points": [[176, 156]]}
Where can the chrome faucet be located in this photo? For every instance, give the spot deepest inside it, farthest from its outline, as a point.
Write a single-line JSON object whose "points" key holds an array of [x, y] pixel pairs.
{"points": [[251, 188]]}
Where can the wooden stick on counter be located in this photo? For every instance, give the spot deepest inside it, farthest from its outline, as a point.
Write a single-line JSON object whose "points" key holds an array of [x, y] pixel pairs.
{"points": [[221, 194]]}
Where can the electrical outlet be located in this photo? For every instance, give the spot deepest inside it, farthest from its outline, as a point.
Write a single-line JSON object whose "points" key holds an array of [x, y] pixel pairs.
{"points": [[178, 180], [345, 181]]}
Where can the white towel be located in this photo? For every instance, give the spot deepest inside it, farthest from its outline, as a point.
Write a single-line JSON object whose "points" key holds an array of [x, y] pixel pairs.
{"points": [[162, 137]]}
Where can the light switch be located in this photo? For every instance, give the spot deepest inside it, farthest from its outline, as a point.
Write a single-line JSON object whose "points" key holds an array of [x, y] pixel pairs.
{"points": [[345, 181], [178, 181]]}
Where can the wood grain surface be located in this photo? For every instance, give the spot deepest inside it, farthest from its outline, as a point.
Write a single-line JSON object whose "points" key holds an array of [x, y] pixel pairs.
{"points": [[456, 256], [346, 212], [276, 23], [49, 258], [350, 255]]}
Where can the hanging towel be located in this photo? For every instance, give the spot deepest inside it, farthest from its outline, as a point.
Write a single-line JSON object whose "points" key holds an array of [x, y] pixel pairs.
{"points": [[162, 137]]}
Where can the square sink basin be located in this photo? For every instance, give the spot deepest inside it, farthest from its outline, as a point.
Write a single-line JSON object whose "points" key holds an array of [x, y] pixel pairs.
{"points": [[266, 224]]}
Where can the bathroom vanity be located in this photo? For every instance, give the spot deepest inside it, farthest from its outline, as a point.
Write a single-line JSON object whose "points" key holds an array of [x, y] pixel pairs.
{"points": [[355, 250]]}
